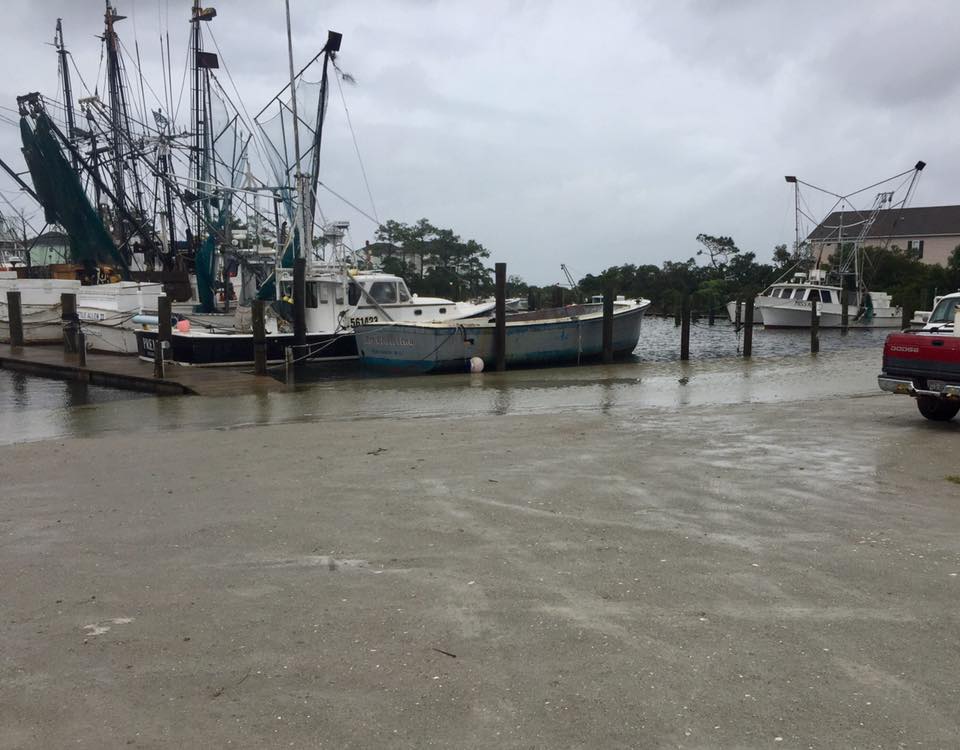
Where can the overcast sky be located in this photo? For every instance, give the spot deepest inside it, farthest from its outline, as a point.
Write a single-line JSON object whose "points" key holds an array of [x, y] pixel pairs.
{"points": [[592, 133]]}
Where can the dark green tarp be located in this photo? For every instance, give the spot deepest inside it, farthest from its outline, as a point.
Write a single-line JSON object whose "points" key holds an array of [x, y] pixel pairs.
{"points": [[64, 201]]}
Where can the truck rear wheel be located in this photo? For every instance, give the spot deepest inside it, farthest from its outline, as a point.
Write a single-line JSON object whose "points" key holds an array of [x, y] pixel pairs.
{"points": [[937, 409]]}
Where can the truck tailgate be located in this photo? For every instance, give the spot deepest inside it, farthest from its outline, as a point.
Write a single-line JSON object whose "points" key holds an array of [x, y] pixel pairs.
{"points": [[923, 354]]}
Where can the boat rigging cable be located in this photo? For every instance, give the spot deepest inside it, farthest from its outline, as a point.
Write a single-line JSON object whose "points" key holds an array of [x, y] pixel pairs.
{"points": [[356, 147]]}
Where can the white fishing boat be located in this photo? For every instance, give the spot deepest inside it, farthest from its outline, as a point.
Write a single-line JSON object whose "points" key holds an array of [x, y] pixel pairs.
{"points": [[337, 300], [106, 312], [39, 307], [570, 334], [788, 305]]}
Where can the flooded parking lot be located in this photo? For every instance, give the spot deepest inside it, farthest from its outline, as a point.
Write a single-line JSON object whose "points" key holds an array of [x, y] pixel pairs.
{"points": [[781, 370]]}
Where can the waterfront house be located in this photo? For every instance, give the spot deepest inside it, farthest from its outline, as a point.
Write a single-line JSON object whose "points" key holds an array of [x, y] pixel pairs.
{"points": [[930, 233]]}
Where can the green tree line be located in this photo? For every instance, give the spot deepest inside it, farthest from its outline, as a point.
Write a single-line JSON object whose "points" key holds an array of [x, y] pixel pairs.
{"points": [[438, 262]]}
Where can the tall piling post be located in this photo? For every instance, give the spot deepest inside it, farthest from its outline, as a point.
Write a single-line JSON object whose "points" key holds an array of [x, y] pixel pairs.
{"points": [[164, 336], [81, 348], [531, 300], [685, 329], [259, 337], [299, 307], [844, 311], [814, 327], [500, 331], [711, 314], [69, 321], [608, 324], [15, 318], [905, 317], [738, 315], [748, 326], [288, 365]]}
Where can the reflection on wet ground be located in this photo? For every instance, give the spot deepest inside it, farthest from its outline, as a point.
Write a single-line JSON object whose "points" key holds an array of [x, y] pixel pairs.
{"points": [[35, 409]]}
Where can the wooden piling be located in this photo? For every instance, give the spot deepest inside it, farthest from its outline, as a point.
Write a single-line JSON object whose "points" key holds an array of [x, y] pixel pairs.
{"points": [[608, 324], [748, 326], [531, 300], [15, 318], [905, 317], [164, 335], [500, 332], [288, 362], [299, 305], [814, 327], [259, 337], [844, 311], [711, 315], [685, 329], [81, 348], [69, 321], [738, 316]]}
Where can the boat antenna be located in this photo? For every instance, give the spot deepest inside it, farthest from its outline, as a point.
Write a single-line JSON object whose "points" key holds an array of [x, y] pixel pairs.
{"points": [[301, 217]]}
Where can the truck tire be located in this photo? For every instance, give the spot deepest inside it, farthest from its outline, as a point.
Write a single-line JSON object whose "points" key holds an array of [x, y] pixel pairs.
{"points": [[937, 409]]}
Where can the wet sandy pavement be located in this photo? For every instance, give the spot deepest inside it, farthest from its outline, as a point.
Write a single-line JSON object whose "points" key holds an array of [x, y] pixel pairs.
{"points": [[711, 575]]}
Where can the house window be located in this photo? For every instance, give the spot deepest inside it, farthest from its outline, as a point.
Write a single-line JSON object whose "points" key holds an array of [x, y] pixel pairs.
{"points": [[915, 247]]}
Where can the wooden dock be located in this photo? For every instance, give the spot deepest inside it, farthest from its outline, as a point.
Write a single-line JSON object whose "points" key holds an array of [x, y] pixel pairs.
{"points": [[131, 373]]}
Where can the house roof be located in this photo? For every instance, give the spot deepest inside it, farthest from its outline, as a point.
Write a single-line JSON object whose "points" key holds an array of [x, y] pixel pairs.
{"points": [[923, 221]]}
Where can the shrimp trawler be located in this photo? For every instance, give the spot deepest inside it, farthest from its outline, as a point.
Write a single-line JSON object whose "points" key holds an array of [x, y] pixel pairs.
{"points": [[789, 302]]}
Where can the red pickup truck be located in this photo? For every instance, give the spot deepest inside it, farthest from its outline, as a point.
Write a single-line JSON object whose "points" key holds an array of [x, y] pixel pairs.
{"points": [[925, 364]]}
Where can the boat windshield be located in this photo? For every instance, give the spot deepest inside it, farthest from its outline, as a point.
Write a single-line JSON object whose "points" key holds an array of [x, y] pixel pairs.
{"points": [[945, 311]]}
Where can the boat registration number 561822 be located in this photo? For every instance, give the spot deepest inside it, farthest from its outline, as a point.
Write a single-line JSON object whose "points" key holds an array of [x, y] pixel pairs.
{"points": [[365, 321]]}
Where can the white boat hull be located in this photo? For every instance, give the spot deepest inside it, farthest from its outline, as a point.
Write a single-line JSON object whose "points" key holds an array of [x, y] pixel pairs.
{"points": [[786, 313], [572, 336]]}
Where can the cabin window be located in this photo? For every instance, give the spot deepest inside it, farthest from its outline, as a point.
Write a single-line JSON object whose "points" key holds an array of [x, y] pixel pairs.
{"points": [[782, 293], [418, 312], [324, 293], [404, 294], [312, 295], [442, 310], [353, 294], [826, 296], [384, 292]]}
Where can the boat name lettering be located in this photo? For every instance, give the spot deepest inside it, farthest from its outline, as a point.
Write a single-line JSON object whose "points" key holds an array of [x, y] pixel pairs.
{"points": [[148, 345], [382, 340], [364, 321]]}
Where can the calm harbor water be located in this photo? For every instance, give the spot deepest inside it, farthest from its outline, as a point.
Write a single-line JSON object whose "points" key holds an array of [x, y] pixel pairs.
{"points": [[781, 369]]}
